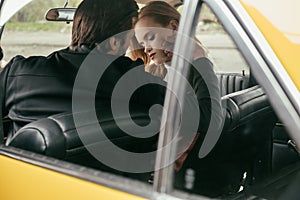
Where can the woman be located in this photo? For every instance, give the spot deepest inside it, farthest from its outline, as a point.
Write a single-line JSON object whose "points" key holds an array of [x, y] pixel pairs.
{"points": [[156, 32], [158, 14]]}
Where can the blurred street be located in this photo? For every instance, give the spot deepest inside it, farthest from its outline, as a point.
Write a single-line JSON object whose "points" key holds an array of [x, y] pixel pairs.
{"points": [[221, 48]]}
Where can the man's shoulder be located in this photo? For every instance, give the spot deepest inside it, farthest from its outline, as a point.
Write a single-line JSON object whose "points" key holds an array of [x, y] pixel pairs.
{"points": [[20, 65], [22, 61]]}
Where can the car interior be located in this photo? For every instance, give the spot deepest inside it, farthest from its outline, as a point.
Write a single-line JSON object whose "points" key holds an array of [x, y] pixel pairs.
{"points": [[253, 151]]}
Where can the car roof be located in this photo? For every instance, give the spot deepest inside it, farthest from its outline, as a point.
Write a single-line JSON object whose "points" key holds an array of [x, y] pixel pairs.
{"points": [[279, 27]]}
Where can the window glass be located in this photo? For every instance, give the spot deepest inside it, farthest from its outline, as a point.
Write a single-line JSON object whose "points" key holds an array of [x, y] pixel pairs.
{"points": [[221, 48], [219, 44], [28, 33], [214, 175], [246, 155]]}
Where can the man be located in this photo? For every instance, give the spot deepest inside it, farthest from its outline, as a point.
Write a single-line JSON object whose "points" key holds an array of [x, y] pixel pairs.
{"points": [[38, 86]]}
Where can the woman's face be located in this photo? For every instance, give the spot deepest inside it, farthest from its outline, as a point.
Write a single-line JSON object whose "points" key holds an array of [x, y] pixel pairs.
{"points": [[152, 36]]}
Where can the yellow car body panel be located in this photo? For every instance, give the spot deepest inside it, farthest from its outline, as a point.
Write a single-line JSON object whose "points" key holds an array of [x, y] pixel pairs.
{"points": [[25, 181], [281, 29]]}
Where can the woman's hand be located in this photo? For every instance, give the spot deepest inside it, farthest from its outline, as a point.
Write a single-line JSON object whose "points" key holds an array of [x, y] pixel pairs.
{"points": [[168, 46], [199, 51], [169, 42]]}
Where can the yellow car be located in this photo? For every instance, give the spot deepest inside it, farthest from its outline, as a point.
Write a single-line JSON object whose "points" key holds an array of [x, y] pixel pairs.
{"points": [[255, 45]]}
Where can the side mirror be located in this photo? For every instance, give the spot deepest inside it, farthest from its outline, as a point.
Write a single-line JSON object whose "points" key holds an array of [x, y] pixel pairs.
{"points": [[60, 14]]}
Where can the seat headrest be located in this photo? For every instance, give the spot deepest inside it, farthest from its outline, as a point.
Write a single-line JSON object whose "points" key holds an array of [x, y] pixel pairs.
{"points": [[57, 135], [245, 105], [44, 136], [232, 82]]}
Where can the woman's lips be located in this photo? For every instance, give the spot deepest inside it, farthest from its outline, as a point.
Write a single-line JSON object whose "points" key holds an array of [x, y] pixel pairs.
{"points": [[152, 55]]}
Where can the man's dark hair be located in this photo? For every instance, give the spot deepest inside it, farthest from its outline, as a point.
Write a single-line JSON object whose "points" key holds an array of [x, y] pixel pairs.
{"points": [[97, 20]]}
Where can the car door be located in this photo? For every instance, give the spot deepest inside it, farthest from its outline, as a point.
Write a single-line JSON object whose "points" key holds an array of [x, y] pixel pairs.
{"points": [[26, 175]]}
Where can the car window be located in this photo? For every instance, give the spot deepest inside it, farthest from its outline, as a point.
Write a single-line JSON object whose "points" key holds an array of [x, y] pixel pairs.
{"points": [[230, 158], [27, 33], [219, 44], [200, 172]]}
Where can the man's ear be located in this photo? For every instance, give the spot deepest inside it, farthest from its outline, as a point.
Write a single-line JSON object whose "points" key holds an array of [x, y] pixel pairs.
{"points": [[115, 44], [173, 24]]}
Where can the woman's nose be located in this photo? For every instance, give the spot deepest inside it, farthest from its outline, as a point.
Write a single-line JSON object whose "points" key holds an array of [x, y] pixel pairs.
{"points": [[147, 49]]}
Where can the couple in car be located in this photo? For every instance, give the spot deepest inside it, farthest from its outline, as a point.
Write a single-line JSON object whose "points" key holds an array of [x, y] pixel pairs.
{"points": [[37, 87]]}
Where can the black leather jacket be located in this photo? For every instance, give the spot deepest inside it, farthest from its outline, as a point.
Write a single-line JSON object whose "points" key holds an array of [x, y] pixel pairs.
{"points": [[38, 86]]}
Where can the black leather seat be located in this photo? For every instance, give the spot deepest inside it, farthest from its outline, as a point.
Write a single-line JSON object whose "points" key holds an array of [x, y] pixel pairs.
{"points": [[247, 130], [232, 82], [245, 138], [251, 117], [57, 136]]}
